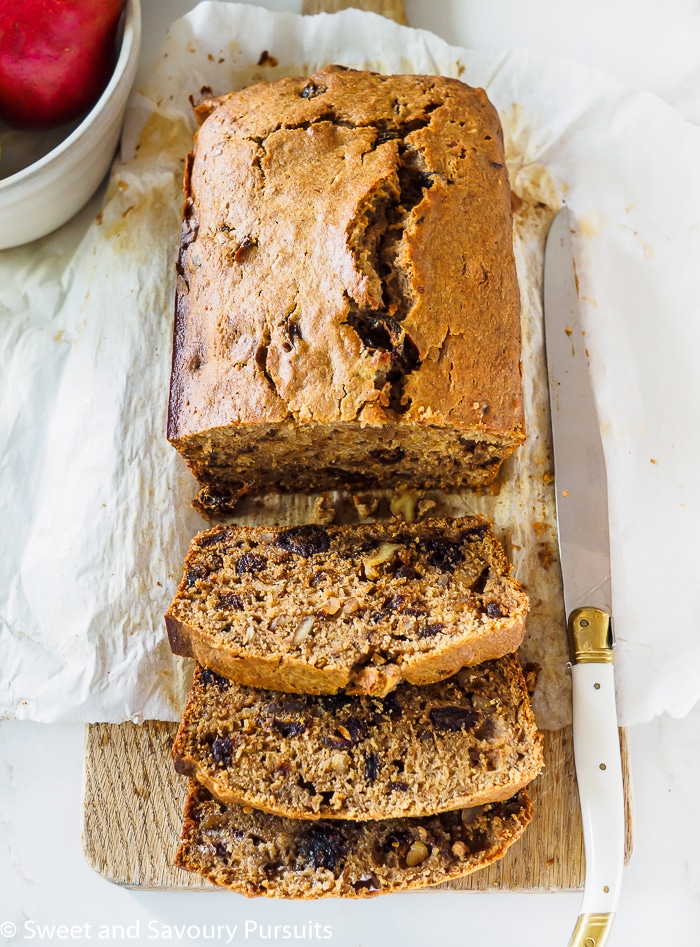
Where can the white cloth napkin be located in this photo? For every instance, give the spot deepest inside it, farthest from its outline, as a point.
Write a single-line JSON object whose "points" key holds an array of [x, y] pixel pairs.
{"points": [[94, 502]]}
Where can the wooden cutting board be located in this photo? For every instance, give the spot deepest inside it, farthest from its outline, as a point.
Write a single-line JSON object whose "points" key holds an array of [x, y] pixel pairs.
{"points": [[134, 800]]}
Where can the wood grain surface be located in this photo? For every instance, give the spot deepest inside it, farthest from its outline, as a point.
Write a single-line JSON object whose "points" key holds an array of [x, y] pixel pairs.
{"points": [[134, 802], [393, 9]]}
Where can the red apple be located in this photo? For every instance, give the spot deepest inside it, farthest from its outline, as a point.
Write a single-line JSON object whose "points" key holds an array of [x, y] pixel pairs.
{"points": [[56, 57]]}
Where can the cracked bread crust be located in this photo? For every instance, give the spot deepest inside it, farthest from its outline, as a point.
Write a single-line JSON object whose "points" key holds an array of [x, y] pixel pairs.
{"points": [[312, 609], [347, 307], [463, 742], [258, 854]]}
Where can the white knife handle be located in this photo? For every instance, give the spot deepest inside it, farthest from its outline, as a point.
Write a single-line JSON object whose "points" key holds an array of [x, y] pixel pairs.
{"points": [[599, 777]]}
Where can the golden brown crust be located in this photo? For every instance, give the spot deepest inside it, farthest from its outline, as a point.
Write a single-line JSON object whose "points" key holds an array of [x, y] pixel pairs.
{"points": [[346, 266], [257, 854], [317, 609], [296, 676]]}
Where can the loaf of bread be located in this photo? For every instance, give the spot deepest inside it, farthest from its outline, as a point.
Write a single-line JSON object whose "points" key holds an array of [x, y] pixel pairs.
{"points": [[313, 609], [347, 307], [462, 742], [256, 853]]}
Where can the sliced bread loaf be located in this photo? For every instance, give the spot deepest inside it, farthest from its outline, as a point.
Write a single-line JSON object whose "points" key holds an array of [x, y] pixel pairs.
{"points": [[313, 609], [256, 853], [461, 742]]}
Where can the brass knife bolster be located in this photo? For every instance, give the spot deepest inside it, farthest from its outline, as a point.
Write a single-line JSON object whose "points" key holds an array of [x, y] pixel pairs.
{"points": [[591, 637], [591, 930]]}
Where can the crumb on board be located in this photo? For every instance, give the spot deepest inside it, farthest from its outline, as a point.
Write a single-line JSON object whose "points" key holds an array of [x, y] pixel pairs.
{"points": [[531, 672], [546, 554]]}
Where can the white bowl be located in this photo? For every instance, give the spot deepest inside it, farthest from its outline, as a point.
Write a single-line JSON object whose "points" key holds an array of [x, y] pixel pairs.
{"points": [[43, 196]]}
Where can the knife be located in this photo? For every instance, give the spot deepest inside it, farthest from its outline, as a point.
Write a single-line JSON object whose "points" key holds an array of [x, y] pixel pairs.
{"points": [[584, 549]]}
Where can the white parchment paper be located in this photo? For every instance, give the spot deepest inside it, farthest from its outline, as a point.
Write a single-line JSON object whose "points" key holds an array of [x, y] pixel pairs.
{"points": [[94, 503]]}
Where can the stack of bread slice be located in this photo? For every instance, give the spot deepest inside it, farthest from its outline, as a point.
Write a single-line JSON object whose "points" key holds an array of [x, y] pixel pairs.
{"points": [[358, 722]]}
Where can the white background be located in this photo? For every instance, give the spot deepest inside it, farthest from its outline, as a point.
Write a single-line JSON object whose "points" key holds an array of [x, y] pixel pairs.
{"points": [[649, 46]]}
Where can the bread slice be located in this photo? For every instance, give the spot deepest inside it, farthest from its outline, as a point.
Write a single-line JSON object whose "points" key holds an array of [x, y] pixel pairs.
{"points": [[313, 609], [256, 853], [469, 740]]}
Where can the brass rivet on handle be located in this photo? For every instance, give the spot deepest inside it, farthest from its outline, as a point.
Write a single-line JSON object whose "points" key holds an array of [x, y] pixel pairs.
{"points": [[603, 766]]}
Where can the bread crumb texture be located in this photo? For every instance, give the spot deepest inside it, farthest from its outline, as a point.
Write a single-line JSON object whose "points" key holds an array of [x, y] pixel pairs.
{"points": [[258, 854], [315, 609], [418, 751]]}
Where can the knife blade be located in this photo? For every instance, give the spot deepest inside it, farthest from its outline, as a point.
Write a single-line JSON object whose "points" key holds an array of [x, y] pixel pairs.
{"points": [[584, 549]]}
